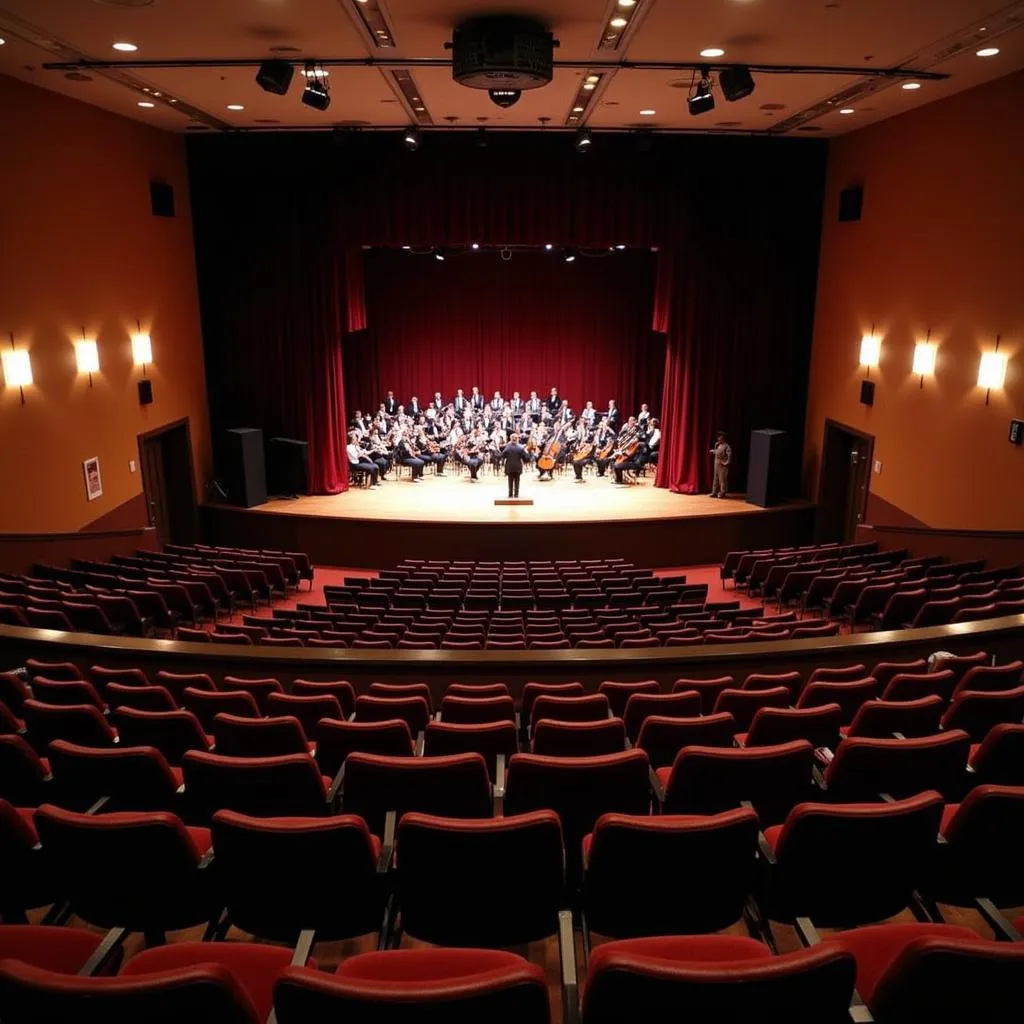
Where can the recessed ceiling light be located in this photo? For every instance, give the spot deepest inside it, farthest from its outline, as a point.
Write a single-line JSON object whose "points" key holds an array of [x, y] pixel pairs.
{"points": [[713, 51], [627, 3], [235, 106], [647, 112], [593, 78], [577, 110], [988, 51], [2, 41], [846, 110], [910, 86], [125, 47], [475, 245], [589, 86], [618, 23], [146, 104]]}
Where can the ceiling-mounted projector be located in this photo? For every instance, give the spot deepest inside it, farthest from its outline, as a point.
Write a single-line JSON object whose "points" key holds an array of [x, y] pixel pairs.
{"points": [[503, 54]]}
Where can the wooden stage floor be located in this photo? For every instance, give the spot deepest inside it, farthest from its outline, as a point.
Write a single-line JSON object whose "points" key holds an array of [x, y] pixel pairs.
{"points": [[454, 498], [452, 517]]}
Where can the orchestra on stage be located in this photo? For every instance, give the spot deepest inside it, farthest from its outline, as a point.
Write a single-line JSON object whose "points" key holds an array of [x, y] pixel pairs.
{"points": [[474, 431]]}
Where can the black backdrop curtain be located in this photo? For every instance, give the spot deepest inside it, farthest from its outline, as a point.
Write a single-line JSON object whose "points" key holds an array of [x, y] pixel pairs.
{"points": [[277, 218], [532, 321]]}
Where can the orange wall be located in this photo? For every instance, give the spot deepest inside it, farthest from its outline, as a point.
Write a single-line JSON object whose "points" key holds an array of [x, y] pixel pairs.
{"points": [[80, 247], [940, 246]]}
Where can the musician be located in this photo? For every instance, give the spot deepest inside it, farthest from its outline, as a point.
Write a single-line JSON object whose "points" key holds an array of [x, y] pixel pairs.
{"points": [[414, 408], [409, 455], [497, 402], [589, 415], [554, 403], [391, 404], [459, 403], [534, 406], [515, 456], [723, 456], [643, 416], [357, 459], [525, 423], [613, 414], [583, 455], [476, 400], [626, 462], [430, 451], [516, 405], [358, 424], [604, 438], [437, 402], [653, 444], [470, 452], [565, 412]]}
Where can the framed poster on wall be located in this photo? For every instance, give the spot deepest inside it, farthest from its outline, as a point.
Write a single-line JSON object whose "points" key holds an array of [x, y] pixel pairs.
{"points": [[93, 483]]}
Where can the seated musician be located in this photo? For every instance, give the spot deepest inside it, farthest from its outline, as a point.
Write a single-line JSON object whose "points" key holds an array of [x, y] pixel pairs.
{"points": [[589, 415], [357, 459], [583, 452], [373, 448], [626, 462], [653, 444], [469, 451], [437, 402], [604, 445], [408, 455], [430, 450], [643, 416]]}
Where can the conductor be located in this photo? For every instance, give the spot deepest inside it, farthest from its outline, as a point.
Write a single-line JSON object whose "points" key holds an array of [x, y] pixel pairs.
{"points": [[515, 456]]}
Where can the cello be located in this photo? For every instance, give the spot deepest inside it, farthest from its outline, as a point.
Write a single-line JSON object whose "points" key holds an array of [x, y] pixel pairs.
{"points": [[546, 463]]}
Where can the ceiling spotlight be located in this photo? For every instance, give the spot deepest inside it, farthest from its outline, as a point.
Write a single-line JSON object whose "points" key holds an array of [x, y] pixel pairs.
{"points": [[412, 138], [316, 93], [910, 86], [2, 41], [570, 256], [620, 247], [618, 23], [701, 100], [736, 82], [549, 247], [505, 98], [275, 76], [590, 86], [146, 104], [584, 140], [988, 51], [439, 255], [627, 3], [846, 110], [713, 51], [594, 79], [406, 247], [647, 112], [235, 106], [125, 47], [475, 245]]}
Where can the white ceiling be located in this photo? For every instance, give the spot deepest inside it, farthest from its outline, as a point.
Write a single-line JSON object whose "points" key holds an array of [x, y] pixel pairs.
{"points": [[922, 34]]}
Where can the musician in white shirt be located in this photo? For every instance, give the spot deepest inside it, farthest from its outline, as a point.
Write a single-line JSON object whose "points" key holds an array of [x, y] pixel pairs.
{"points": [[357, 459]]}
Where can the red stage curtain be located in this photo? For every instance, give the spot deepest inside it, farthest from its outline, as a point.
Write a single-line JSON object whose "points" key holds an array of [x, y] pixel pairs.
{"points": [[532, 322]]}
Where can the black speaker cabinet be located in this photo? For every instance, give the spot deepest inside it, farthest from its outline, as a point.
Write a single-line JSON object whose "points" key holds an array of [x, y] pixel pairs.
{"points": [[145, 392], [288, 466], [765, 484], [851, 203], [867, 392], [244, 468]]}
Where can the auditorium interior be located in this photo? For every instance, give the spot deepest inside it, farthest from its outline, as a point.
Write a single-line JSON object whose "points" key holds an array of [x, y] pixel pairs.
{"points": [[579, 443]]}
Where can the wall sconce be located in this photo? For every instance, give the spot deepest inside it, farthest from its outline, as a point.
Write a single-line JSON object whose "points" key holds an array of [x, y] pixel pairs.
{"points": [[87, 356], [142, 349], [992, 370], [924, 358], [17, 368], [870, 350]]}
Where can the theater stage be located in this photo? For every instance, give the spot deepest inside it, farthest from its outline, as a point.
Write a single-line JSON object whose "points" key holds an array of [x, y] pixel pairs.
{"points": [[452, 517]]}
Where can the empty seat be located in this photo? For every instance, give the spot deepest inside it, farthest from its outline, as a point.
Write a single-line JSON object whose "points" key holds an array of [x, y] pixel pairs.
{"points": [[173, 733], [476, 690], [819, 726], [309, 710], [260, 737], [706, 780], [38, 885], [455, 884], [133, 778], [414, 711], [335, 740], [999, 759], [864, 768], [531, 691], [773, 680], [52, 669], [578, 739], [709, 689], [618, 694], [458, 986], [456, 787], [662, 738], [52, 691], [339, 847], [474, 710], [633, 866], [569, 709], [882, 718], [744, 704], [401, 690], [849, 696], [904, 686], [976, 712], [339, 688], [847, 674], [819, 844], [489, 739], [77, 723], [641, 706], [103, 677], [206, 706], [885, 670], [264, 787], [260, 689], [147, 698], [178, 682], [991, 677]]}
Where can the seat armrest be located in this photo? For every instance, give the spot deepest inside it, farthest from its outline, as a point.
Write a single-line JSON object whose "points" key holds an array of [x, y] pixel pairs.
{"points": [[819, 778], [388, 846], [207, 859], [898, 736], [806, 932], [498, 789], [99, 805], [656, 788], [420, 741], [102, 954], [765, 850], [886, 798], [303, 947], [567, 961], [1005, 932], [337, 787]]}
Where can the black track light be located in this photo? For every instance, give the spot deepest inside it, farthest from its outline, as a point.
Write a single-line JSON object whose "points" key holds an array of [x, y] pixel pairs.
{"points": [[317, 93], [584, 140], [411, 138], [505, 98], [736, 82], [275, 76], [701, 100]]}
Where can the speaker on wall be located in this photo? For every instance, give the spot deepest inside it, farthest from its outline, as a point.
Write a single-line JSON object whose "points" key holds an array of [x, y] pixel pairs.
{"points": [[867, 392], [851, 202], [765, 484], [288, 466], [244, 468], [161, 198], [145, 391]]}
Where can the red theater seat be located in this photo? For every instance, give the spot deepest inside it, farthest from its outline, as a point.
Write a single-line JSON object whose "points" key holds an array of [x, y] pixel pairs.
{"points": [[173, 733]]}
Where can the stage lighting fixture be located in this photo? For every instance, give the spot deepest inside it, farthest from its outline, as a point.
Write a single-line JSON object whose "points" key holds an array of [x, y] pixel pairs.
{"points": [[549, 247], [584, 140], [505, 98], [412, 138], [701, 101], [570, 256], [317, 93], [736, 83], [439, 255], [275, 76]]}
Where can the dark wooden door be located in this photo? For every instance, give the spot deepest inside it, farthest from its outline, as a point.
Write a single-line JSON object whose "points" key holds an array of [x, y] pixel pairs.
{"points": [[153, 483], [859, 468], [166, 458]]}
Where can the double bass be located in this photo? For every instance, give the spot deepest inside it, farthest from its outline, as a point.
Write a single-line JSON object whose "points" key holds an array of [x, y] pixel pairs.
{"points": [[546, 463]]}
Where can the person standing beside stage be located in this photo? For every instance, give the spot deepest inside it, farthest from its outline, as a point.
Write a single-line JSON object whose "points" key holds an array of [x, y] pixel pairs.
{"points": [[357, 459], [515, 456], [723, 455]]}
